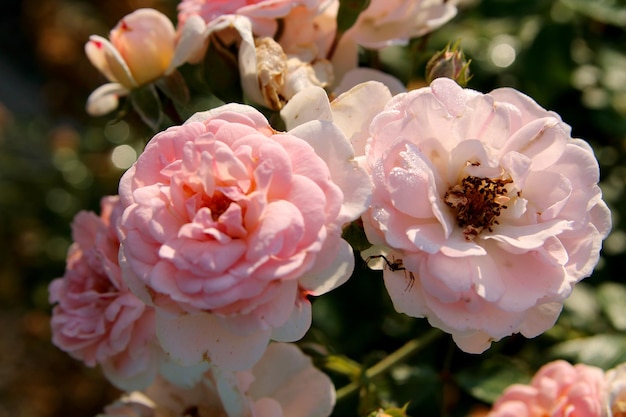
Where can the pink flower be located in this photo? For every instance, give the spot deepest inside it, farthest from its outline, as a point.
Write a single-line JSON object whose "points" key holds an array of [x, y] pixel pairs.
{"points": [[387, 22], [264, 14], [490, 205], [283, 383], [558, 389], [143, 47], [228, 225], [96, 318]]}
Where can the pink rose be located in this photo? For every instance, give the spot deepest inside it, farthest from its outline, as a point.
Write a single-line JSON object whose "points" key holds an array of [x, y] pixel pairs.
{"points": [[283, 383], [228, 225], [558, 389], [492, 209], [96, 318], [264, 14], [387, 22], [143, 47]]}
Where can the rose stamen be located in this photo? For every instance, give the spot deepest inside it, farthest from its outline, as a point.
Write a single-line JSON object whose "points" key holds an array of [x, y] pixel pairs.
{"points": [[477, 203], [218, 203]]}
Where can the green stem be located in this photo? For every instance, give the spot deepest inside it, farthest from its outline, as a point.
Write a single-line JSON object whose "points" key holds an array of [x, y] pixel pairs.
{"points": [[400, 355]]}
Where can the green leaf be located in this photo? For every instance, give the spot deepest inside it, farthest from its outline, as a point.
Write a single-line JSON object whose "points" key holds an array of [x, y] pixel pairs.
{"points": [[603, 350], [606, 11], [198, 104], [612, 296], [221, 72], [349, 11], [487, 380], [146, 103], [175, 87], [355, 236], [581, 309]]}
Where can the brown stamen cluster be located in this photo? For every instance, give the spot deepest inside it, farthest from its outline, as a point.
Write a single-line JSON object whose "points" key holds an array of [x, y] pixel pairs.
{"points": [[477, 202], [218, 203]]}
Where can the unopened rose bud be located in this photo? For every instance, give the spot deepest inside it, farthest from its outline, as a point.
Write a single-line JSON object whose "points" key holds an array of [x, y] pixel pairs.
{"points": [[145, 39], [449, 63]]}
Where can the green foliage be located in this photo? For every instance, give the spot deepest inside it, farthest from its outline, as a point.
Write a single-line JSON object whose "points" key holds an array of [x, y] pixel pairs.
{"points": [[349, 12]]}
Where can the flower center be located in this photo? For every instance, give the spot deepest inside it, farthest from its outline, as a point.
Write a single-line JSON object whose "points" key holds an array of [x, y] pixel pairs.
{"points": [[218, 203], [477, 203]]}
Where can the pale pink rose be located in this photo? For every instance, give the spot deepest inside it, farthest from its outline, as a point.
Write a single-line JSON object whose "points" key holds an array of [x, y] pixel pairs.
{"points": [[96, 318], [615, 393], [388, 22], [264, 14], [558, 389], [229, 225], [143, 47], [490, 211], [283, 383]]}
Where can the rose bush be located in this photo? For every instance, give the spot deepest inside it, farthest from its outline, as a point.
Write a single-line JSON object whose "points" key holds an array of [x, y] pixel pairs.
{"points": [[492, 208], [228, 226], [558, 389]]}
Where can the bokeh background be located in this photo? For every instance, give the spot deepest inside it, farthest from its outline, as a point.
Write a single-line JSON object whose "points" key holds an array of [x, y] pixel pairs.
{"points": [[570, 55]]}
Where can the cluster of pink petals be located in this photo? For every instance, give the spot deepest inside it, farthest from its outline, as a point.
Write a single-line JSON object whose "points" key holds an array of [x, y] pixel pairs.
{"points": [[482, 268], [264, 14], [558, 389], [388, 22], [96, 318], [283, 383], [229, 225]]}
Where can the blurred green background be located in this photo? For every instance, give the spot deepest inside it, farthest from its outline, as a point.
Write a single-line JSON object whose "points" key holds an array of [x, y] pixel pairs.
{"points": [[570, 55]]}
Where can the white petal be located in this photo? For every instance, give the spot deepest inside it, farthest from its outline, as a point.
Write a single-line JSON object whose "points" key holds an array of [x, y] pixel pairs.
{"points": [[518, 239], [103, 55], [333, 147], [472, 342], [267, 407], [288, 376], [182, 376], [335, 274], [354, 110], [191, 40], [308, 104], [361, 75], [298, 324], [195, 338], [233, 399], [540, 319], [105, 99]]}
